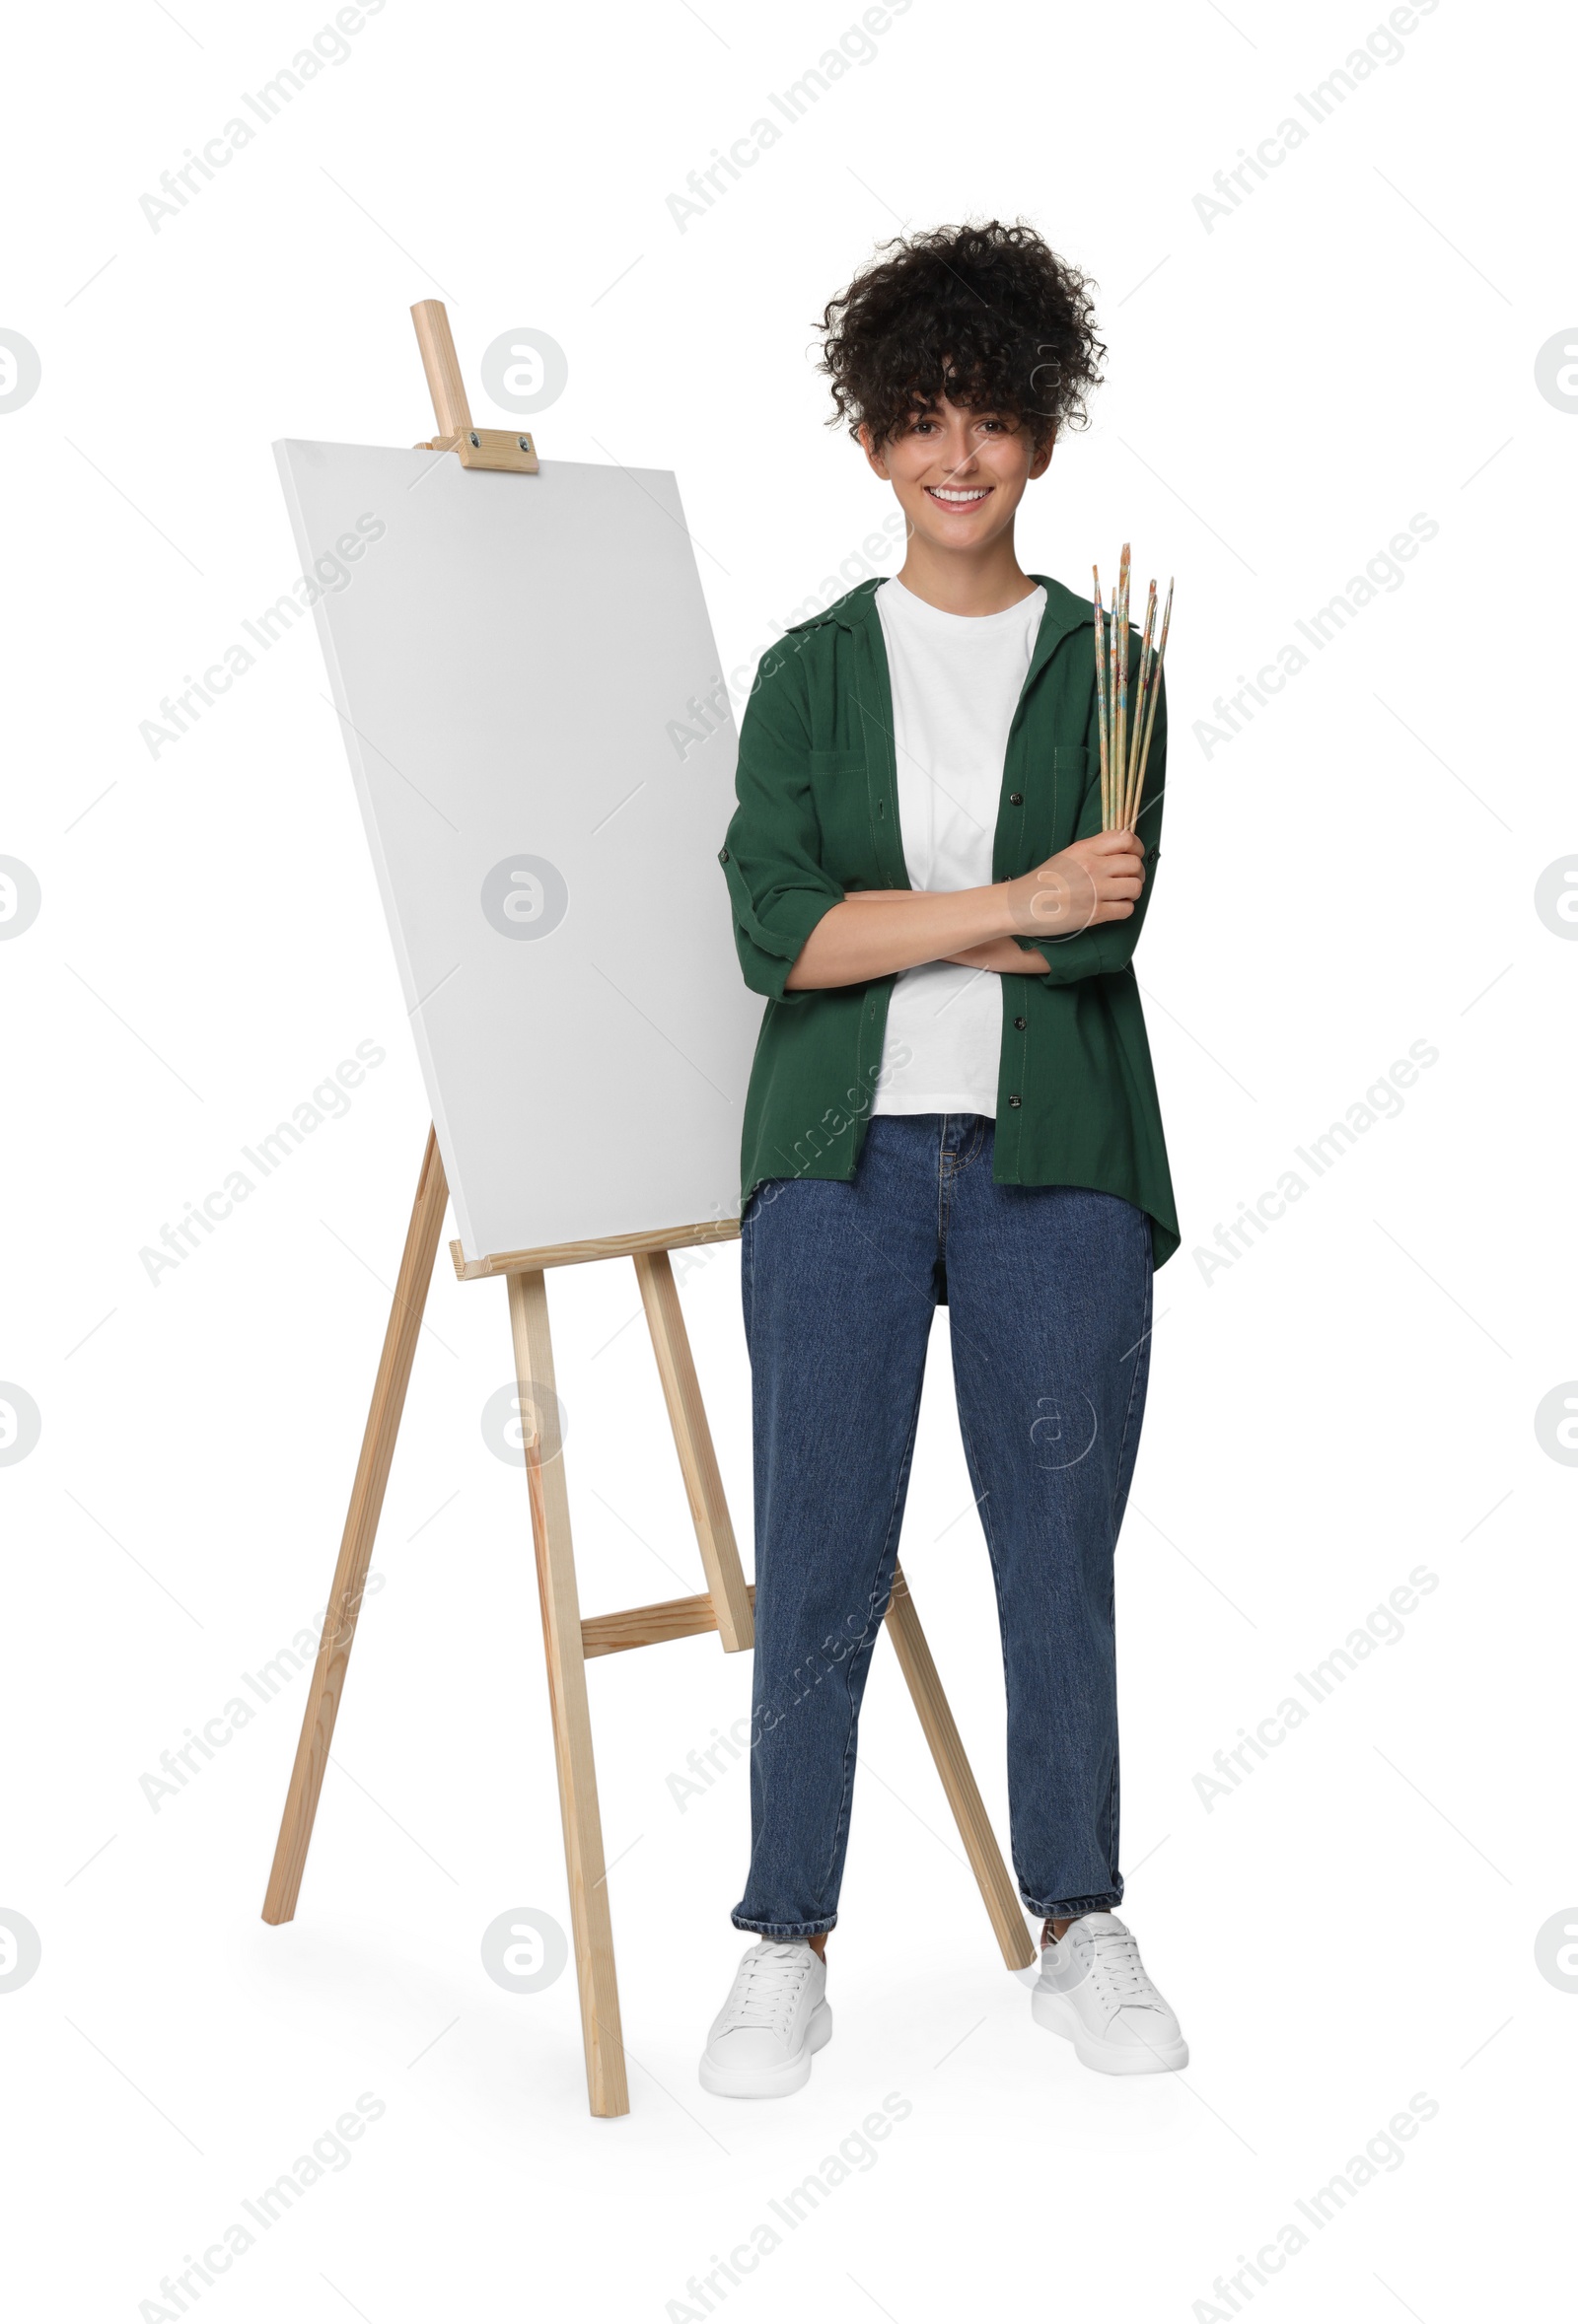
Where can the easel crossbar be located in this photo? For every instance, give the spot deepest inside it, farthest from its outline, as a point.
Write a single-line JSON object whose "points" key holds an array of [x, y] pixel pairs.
{"points": [[649, 1626]]}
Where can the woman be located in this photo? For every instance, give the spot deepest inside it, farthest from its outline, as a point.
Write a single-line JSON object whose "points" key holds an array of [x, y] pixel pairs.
{"points": [[952, 1101]]}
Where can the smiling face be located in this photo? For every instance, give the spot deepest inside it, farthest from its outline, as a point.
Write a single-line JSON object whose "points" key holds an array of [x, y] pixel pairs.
{"points": [[959, 475]]}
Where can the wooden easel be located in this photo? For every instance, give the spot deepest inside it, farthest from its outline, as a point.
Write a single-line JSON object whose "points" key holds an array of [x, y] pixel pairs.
{"points": [[570, 1641]]}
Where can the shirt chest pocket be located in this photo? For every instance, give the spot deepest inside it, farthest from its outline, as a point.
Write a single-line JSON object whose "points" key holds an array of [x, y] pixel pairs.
{"points": [[842, 797]]}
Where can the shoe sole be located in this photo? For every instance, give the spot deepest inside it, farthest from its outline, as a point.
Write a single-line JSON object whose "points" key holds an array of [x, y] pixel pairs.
{"points": [[773, 2081], [1054, 2011]]}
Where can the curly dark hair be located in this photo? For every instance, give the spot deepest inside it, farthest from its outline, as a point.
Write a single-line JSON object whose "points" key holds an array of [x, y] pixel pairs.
{"points": [[985, 315]]}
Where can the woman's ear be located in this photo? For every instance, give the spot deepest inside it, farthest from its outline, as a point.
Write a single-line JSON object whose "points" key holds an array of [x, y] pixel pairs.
{"points": [[873, 453], [1042, 459]]}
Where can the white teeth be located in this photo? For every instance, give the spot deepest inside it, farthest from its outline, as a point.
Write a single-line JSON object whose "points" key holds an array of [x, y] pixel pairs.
{"points": [[937, 492]]}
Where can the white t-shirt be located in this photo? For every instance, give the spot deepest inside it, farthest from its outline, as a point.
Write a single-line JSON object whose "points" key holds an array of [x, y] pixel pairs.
{"points": [[956, 679]]}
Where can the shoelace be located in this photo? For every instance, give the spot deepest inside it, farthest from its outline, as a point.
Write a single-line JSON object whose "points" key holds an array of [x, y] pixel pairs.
{"points": [[767, 1985], [1113, 1962]]}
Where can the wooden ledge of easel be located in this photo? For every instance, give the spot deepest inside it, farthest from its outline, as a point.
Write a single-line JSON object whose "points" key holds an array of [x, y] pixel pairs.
{"points": [[497, 449], [601, 1246]]}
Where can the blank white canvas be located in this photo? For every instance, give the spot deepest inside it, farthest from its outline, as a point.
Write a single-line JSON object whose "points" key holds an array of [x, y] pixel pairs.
{"points": [[507, 659]]}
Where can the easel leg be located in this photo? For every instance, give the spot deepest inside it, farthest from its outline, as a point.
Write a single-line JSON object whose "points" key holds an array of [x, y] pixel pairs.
{"points": [[572, 1720], [356, 1543], [974, 1829], [681, 1392]]}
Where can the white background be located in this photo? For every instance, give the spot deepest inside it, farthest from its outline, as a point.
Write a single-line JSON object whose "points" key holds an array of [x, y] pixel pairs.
{"points": [[1352, 1398]]}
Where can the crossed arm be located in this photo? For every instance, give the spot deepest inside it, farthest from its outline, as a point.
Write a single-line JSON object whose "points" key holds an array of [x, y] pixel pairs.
{"points": [[877, 931]]}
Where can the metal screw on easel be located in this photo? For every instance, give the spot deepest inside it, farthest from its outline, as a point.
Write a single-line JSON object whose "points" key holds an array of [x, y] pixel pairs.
{"points": [[475, 439]]}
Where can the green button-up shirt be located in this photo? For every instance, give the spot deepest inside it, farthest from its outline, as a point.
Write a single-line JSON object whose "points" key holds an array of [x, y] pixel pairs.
{"points": [[818, 817]]}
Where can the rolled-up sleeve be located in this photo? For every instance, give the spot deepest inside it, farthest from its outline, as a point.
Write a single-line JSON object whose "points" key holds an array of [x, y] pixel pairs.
{"points": [[771, 854], [1108, 950]]}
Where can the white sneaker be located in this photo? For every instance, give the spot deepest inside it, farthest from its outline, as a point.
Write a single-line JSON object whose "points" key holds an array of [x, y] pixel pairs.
{"points": [[1094, 1990], [763, 2038]]}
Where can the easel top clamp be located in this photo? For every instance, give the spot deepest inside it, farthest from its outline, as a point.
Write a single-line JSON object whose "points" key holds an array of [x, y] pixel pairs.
{"points": [[476, 448]]}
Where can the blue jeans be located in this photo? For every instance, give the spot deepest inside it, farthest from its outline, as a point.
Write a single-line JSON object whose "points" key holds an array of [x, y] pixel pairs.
{"points": [[1048, 1292]]}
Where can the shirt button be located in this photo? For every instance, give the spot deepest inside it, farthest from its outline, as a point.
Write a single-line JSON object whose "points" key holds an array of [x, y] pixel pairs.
{"points": [[1016, 798], [723, 855], [1018, 1025], [1014, 1101]]}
